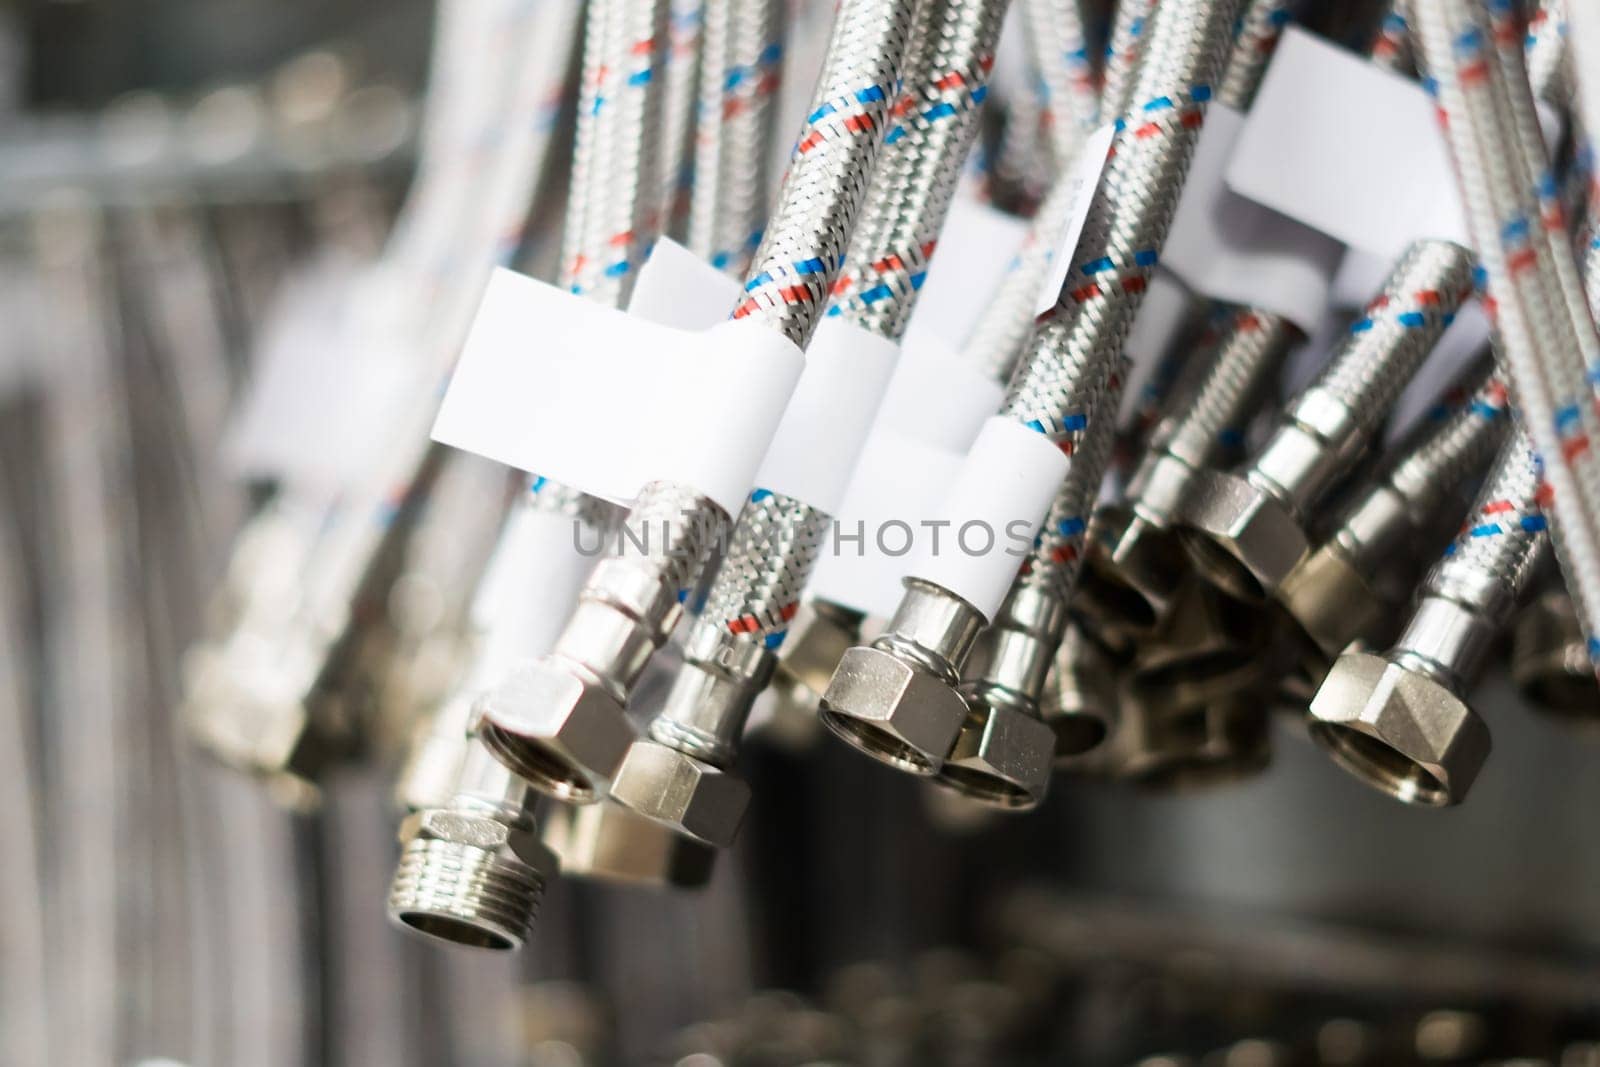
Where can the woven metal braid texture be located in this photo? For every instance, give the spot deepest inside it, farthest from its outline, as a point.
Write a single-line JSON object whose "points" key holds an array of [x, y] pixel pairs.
{"points": [[681, 72], [668, 530], [1074, 349], [1548, 56], [1474, 57], [1001, 332], [1455, 440], [741, 55], [1212, 404], [770, 555], [1504, 538], [1260, 26], [1397, 329], [774, 544], [614, 198], [1128, 29], [1068, 91], [935, 122], [803, 248], [1058, 550]]}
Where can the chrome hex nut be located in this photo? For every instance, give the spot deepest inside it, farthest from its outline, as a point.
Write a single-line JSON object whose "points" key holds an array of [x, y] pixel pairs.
{"points": [[819, 636], [1240, 538], [606, 842], [1002, 758], [469, 878], [892, 710], [682, 793], [1399, 730], [560, 732], [1334, 603]]}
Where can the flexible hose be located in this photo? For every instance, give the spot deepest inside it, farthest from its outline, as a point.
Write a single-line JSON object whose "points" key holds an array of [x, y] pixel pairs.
{"points": [[1474, 56], [775, 543], [998, 336], [1069, 95], [742, 52]]}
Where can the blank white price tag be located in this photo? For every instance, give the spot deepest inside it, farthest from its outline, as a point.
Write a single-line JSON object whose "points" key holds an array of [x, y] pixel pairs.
{"points": [[1085, 178], [605, 401], [1230, 248], [1348, 148]]}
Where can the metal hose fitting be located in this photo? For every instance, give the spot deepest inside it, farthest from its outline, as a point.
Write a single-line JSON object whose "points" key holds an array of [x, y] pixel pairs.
{"points": [[1165, 748], [1350, 587], [558, 721], [1080, 703], [1549, 662], [1245, 531], [1474, 55], [1135, 565], [678, 775], [1400, 721], [1004, 752], [473, 872], [891, 699], [609, 843]]}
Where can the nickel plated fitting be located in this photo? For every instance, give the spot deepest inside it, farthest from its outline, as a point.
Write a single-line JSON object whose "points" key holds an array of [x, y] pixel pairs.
{"points": [[1550, 659], [1209, 648], [609, 843], [472, 872], [1400, 721], [1208, 744], [559, 721], [1246, 531], [894, 699], [1004, 753], [1352, 584], [560, 724], [821, 633], [1135, 564], [1080, 703]]}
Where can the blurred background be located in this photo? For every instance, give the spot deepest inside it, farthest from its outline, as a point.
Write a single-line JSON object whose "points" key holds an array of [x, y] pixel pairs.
{"points": [[194, 191]]}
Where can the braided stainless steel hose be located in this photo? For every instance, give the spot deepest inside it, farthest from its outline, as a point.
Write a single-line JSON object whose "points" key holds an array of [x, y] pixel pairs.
{"points": [[741, 55], [1245, 531], [1366, 565], [895, 699], [565, 730], [1068, 89], [681, 71], [1474, 55], [1004, 752], [998, 337], [1400, 721], [730, 651], [1134, 566], [471, 870]]}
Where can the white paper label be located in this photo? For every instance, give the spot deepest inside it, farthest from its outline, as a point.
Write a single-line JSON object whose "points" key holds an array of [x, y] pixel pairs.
{"points": [[935, 396], [1234, 249], [976, 246], [605, 401], [1085, 178], [677, 288], [991, 510], [894, 492], [1348, 148], [829, 416]]}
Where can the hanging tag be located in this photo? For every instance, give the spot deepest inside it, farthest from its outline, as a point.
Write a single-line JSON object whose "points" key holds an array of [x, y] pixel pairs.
{"points": [[1230, 248], [1086, 178], [976, 246], [895, 491], [606, 402]]}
